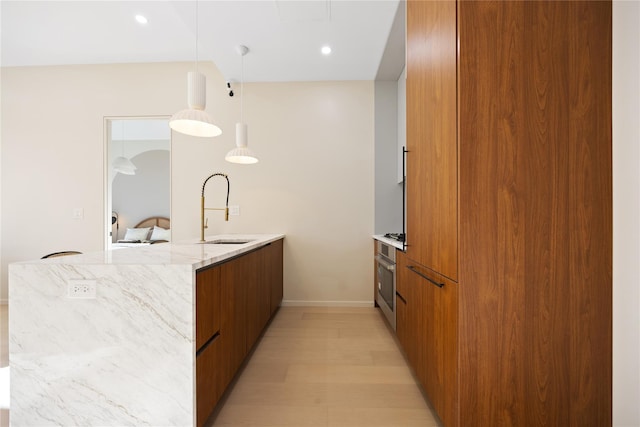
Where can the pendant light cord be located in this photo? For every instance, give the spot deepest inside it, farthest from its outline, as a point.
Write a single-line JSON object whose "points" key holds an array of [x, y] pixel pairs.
{"points": [[122, 141], [196, 36], [241, 86]]}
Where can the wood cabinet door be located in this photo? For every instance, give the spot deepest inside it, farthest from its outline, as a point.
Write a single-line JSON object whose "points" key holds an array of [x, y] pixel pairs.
{"points": [[402, 324], [208, 384], [258, 294], [275, 265], [233, 322], [438, 340], [410, 328], [432, 233], [207, 305], [375, 274], [535, 213]]}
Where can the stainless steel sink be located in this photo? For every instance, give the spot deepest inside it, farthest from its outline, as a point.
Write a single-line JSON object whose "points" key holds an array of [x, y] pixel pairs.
{"points": [[226, 242]]}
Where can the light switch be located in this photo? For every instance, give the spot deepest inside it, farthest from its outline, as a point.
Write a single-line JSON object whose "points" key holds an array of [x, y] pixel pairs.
{"points": [[78, 213], [234, 210]]}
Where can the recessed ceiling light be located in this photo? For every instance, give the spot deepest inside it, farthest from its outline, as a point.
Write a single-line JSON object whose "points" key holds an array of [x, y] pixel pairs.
{"points": [[141, 19], [326, 50]]}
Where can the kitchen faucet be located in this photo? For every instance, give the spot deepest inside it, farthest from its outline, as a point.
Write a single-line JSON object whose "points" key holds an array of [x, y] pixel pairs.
{"points": [[202, 207]]}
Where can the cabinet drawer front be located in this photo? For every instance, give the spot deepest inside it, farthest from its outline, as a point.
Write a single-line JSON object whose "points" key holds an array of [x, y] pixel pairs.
{"points": [[207, 305], [208, 387], [437, 323]]}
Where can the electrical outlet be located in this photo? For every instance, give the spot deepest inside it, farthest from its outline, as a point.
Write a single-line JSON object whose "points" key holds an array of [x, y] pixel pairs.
{"points": [[81, 289], [234, 210]]}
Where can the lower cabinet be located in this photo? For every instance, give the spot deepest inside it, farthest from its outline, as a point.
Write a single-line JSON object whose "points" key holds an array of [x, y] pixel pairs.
{"points": [[235, 276], [207, 305], [234, 302], [426, 326], [208, 382], [274, 267]]}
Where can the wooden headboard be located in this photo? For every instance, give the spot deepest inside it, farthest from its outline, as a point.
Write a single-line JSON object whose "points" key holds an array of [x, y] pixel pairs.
{"points": [[160, 221]]}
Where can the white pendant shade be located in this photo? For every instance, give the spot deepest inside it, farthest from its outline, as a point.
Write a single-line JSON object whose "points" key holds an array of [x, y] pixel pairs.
{"points": [[124, 166], [242, 154], [194, 121]]}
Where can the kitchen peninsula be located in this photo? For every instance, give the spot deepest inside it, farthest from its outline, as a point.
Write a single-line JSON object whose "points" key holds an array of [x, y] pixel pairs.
{"points": [[140, 336]]}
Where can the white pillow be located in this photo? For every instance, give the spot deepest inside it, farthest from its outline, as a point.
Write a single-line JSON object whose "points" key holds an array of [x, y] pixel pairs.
{"points": [[160, 233], [137, 233]]}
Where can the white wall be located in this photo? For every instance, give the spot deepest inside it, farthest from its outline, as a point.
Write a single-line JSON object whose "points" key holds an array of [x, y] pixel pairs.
{"points": [[402, 123], [314, 181], [388, 193], [626, 213]]}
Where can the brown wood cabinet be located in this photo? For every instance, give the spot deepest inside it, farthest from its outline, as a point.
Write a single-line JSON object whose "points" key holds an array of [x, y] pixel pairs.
{"points": [[274, 265], [509, 204], [208, 384], [243, 293], [426, 324], [208, 305], [235, 275], [409, 310], [432, 174]]}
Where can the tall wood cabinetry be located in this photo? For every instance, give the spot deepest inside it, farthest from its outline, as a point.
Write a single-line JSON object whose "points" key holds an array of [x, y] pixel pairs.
{"points": [[509, 206], [432, 227]]}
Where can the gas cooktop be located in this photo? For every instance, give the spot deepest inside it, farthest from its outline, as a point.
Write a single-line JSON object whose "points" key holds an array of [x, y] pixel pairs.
{"points": [[395, 236]]}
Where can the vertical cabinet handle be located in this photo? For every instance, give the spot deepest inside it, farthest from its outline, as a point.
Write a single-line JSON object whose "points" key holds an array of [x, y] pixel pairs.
{"points": [[404, 197], [415, 270]]}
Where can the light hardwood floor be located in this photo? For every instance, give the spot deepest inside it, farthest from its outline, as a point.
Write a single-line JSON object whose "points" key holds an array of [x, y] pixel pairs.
{"points": [[315, 366], [318, 366]]}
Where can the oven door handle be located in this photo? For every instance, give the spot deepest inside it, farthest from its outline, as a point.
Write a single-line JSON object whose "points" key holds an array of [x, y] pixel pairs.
{"points": [[384, 263]]}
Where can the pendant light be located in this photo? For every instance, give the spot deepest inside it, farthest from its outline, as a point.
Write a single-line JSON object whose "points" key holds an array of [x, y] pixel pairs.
{"points": [[122, 164], [194, 121], [242, 153]]}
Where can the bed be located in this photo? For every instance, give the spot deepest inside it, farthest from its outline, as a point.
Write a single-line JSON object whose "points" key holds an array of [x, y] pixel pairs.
{"points": [[155, 229]]}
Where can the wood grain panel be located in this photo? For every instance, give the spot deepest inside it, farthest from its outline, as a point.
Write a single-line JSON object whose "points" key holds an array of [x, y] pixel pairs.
{"points": [[375, 273], [402, 321], [207, 304], [431, 135], [233, 317], [547, 228], [492, 214], [208, 387], [535, 213], [248, 286], [439, 341], [276, 265], [590, 205], [411, 333], [256, 275]]}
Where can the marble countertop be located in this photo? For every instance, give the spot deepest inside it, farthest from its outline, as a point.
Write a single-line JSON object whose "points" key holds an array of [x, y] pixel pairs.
{"points": [[123, 356], [392, 242], [189, 252]]}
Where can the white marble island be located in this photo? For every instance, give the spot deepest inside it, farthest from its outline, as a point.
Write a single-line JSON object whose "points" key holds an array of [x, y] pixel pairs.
{"points": [[125, 357]]}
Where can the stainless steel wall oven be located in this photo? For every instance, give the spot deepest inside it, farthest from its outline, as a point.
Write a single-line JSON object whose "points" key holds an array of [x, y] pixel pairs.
{"points": [[386, 289]]}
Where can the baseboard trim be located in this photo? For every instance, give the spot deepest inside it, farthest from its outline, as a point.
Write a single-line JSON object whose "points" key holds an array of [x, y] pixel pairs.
{"points": [[292, 303]]}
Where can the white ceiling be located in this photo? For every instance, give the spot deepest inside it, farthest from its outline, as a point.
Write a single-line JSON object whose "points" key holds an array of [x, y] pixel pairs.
{"points": [[284, 37]]}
